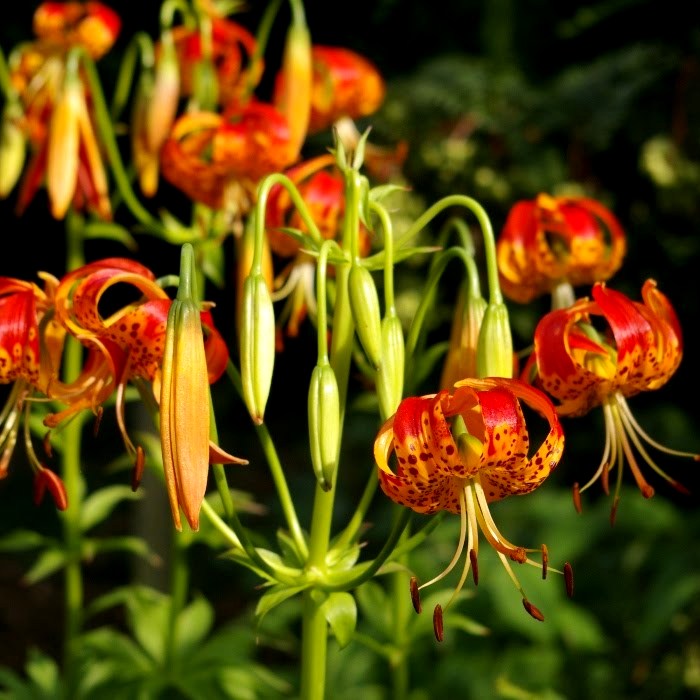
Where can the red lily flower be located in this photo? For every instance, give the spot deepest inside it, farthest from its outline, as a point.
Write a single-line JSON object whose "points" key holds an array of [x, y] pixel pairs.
{"points": [[216, 158], [549, 241], [344, 84], [583, 368], [89, 24], [460, 451]]}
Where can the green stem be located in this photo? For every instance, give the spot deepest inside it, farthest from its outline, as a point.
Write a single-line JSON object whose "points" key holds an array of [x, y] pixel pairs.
{"points": [[472, 205], [5, 82], [314, 648], [73, 481], [179, 583], [276, 470]]}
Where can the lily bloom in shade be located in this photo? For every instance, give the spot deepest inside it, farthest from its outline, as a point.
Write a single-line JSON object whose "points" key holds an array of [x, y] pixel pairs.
{"points": [[92, 25], [550, 243], [460, 451], [27, 343], [130, 341], [582, 368], [218, 159]]}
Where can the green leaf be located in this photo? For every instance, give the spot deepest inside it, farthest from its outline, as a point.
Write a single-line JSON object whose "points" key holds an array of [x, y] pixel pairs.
{"points": [[340, 611], [43, 671], [288, 546], [148, 619], [133, 545], [23, 540], [101, 503], [375, 606], [276, 595], [47, 563], [110, 231], [193, 625]]}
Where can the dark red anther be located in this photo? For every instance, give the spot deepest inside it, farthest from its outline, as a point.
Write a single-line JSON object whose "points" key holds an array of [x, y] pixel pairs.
{"points": [[613, 510], [46, 479], [577, 498], [48, 449], [475, 566], [98, 421], [532, 610], [415, 594], [569, 579], [437, 623], [545, 561], [137, 473]]}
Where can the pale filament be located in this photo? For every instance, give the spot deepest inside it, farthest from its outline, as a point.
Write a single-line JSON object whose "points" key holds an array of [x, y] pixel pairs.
{"points": [[610, 447]]}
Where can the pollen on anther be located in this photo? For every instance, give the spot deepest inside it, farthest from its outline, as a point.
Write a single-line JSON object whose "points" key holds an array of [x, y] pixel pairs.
{"points": [[415, 594], [98, 421], [545, 561], [139, 464], [577, 498]]}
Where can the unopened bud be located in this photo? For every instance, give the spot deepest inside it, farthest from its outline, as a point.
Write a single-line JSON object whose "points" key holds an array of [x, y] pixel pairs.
{"points": [[324, 424], [495, 348], [162, 107], [364, 303], [13, 148], [257, 345], [390, 374]]}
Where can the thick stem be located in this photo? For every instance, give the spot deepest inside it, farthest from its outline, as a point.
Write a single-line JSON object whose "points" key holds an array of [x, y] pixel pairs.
{"points": [[314, 649], [73, 481]]}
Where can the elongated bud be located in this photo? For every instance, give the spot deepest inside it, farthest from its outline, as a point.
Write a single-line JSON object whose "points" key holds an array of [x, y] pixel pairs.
{"points": [[63, 147], [495, 349], [13, 148], [364, 304], [460, 362], [293, 87], [162, 106], [257, 345], [324, 424], [145, 160], [391, 370]]}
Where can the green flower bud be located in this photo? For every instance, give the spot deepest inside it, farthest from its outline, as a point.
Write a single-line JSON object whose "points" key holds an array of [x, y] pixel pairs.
{"points": [[364, 304], [391, 370], [494, 357], [324, 424], [13, 148], [257, 345]]}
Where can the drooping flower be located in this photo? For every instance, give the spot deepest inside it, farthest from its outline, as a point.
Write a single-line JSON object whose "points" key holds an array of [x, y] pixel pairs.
{"points": [[92, 25], [218, 159], [28, 340], [131, 339], [460, 451], [550, 242], [344, 84], [583, 367]]}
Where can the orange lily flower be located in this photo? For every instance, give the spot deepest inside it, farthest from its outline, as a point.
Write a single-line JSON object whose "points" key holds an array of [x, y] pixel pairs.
{"points": [[344, 84], [131, 341], [321, 186], [552, 241], [218, 159], [89, 24], [460, 451], [583, 368]]}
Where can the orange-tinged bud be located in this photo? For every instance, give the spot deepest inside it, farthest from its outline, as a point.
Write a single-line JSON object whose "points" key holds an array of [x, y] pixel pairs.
{"points": [[364, 304], [184, 404], [163, 103], [63, 148], [293, 86], [257, 345], [13, 148]]}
